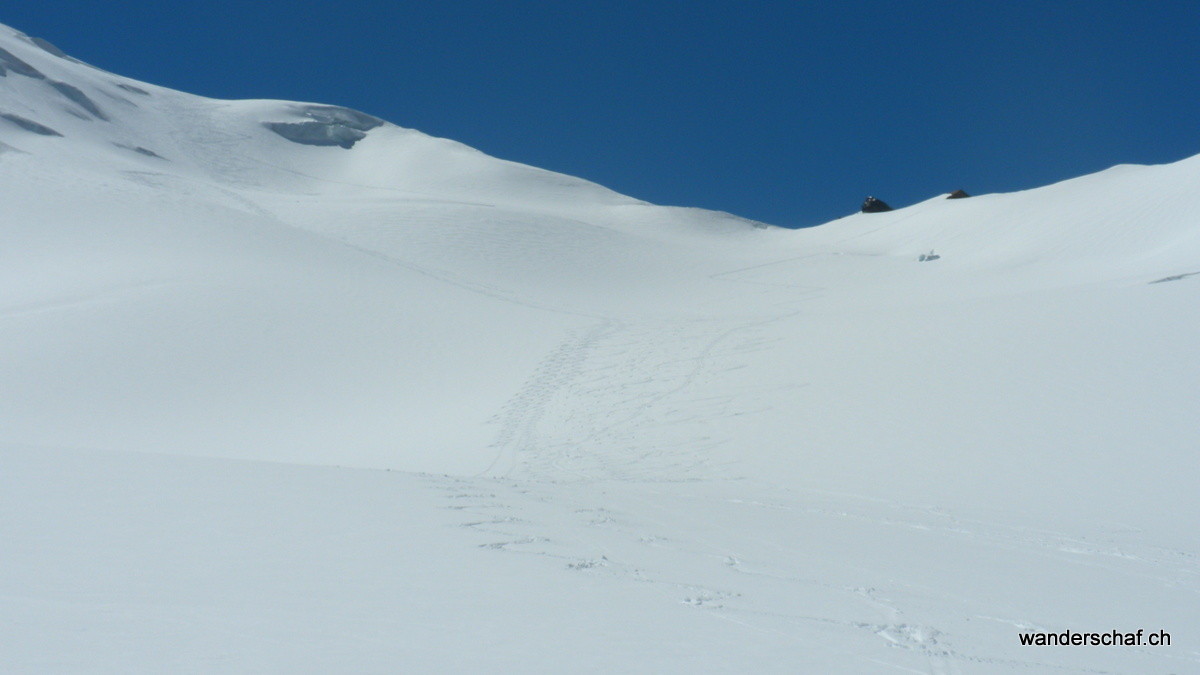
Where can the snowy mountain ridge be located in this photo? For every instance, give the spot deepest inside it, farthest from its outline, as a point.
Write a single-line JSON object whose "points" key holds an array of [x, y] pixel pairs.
{"points": [[49, 94]]}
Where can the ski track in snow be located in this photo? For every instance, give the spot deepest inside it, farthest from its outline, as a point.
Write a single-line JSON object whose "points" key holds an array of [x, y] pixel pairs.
{"points": [[598, 390], [572, 426], [578, 525]]}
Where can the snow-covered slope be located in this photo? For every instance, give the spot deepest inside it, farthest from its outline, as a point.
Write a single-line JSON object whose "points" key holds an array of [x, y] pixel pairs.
{"points": [[156, 213], [617, 436]]}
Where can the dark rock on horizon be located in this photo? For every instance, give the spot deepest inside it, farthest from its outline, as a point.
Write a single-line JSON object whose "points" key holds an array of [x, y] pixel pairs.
{"points": [[873, 205]]}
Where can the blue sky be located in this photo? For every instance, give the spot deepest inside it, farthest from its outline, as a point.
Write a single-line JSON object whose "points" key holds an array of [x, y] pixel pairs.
{"points": [[788, 112]]}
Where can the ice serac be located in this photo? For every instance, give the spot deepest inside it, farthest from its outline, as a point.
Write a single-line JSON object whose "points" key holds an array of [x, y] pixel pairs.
{"points": [[327, 125]]}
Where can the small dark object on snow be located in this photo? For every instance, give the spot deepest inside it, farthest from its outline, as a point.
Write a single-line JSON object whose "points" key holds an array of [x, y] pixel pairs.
{"points": [[926, 257], [958, 194], [873, 205]]}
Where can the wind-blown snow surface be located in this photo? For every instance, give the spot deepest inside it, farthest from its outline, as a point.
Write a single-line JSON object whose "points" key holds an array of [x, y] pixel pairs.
{"points": [[267, 405]]}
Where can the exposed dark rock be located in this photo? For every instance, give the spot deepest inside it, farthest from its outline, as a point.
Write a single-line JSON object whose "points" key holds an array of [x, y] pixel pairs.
{"points": [[330, 126], [80, 98], [873, 205], [29, 125], [140, 150], [1175, 277], [118, 98], [49, 47], [10, 62], [131, 88], [958, 194]]}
